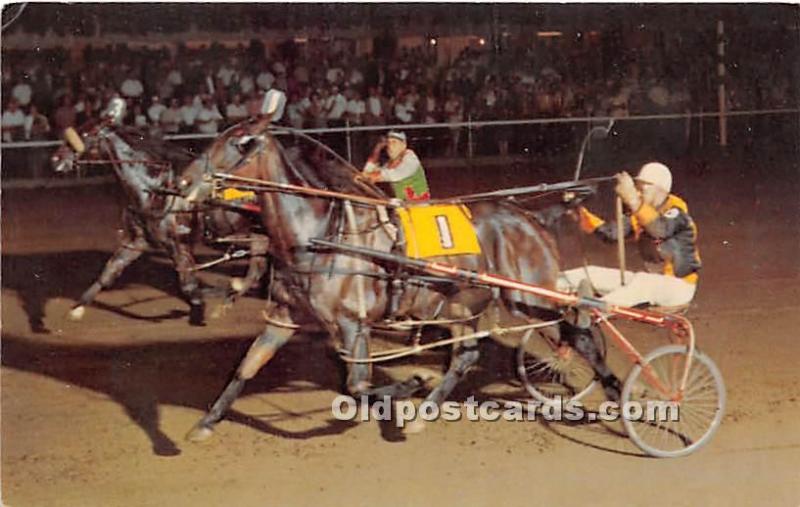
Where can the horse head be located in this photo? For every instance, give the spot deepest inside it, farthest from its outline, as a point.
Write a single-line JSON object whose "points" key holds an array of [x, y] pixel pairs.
{"points": [[81, 143], [85, 141], [549, 208], [224, 154]]}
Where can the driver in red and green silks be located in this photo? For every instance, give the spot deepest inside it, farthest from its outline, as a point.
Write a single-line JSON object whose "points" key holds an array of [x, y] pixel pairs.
{"points": [[403, 170]]}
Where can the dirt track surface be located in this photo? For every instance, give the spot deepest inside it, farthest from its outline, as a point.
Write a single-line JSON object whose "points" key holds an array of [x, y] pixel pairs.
{"points": [[94, 413]]}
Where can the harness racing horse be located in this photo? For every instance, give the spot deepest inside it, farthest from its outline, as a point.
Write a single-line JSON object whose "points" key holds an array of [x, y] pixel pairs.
{"points": [[227, 219], [345, 295], [155, 216]]}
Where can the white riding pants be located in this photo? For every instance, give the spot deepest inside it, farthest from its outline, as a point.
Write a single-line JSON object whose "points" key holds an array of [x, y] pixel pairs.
{"points": [[640, 287]]}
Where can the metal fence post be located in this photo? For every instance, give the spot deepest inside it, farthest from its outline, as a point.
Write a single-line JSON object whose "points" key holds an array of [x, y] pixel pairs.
{"points": [[349, 147], [469, 136], [721, 93]]}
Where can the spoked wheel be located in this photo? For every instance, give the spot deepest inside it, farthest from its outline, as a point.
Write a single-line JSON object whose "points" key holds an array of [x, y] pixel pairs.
{"points": [[695, 416], [553, 372]]}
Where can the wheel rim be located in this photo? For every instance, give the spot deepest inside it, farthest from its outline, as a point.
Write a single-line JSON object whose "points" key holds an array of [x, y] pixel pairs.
{"points": [[699, 411], [550, 372]]}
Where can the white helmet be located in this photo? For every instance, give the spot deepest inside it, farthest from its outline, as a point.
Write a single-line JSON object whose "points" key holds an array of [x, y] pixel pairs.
{"points": [[656, 174]]}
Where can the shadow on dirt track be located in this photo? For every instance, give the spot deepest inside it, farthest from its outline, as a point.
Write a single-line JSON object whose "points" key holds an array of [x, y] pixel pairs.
{"points": [[141, 378], [38, 278]]}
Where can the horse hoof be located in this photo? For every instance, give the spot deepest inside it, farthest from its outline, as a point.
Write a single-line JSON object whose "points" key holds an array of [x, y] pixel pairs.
{"points": [[199, 434], [219, 311], [76, 313], [197, 314], [237, 285], [414, 427], [428, 377]]}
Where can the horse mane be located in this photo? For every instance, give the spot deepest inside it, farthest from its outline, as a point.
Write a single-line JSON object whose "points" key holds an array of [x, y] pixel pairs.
{"points": [[154, 146], [319, 169]]}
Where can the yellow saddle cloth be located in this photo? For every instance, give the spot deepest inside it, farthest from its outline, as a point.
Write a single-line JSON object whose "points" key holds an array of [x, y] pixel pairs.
{"points": [[433, 231]]}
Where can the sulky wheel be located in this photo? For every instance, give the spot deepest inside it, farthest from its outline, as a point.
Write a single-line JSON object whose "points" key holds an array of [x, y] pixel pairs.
{"points": [[551, 371], [699, 411]]}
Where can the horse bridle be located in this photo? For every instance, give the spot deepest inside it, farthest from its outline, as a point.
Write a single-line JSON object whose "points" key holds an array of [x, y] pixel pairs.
{"points": [[102, 137]]}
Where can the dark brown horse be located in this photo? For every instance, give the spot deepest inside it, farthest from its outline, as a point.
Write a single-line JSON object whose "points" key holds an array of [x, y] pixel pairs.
{"points": [[145, 168], [346, 295], [229, 220]]}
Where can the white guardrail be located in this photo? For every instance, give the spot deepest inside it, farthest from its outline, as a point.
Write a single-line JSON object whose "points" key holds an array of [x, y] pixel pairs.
{"points": [[463, 124], [348, 129]]}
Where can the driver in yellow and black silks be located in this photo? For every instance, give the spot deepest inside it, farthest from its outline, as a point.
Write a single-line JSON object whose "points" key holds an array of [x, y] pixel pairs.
{"points": [[403, 170], [666, 235]]}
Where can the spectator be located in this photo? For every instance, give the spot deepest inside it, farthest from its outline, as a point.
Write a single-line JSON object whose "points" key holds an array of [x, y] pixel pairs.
{"points": [[254, 103], [37, 126], [294, 112], [430, 108], [404, 108], [81, 109], [355, 78], [13, 122], [336, 107], [246, 85], [225, 74], [138, 116], [170, 119], [235, 111], [131, 87], [208, 117], [315, 114], [22, 92], [175, 77], [454, 113], [188, 115], [356, 107], [334, 75], [155, 110], [558, 71], [265, 79], [301, 74], [376, 108]]}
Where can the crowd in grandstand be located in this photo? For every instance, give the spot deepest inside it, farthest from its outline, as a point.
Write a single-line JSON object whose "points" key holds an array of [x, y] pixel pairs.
{"points": [[203, 90]]}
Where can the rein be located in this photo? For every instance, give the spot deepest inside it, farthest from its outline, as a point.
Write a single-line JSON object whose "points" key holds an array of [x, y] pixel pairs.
{"points": [[327, 149], [264, 185], [146, 162], [256, 184]]}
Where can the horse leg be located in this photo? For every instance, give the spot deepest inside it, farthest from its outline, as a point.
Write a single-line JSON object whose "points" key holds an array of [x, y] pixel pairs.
{"points": [[130, 250], [260, 352], [464, 358], [356, 340], [190, 285], [580, 339], [255, 271], [575, 330]]}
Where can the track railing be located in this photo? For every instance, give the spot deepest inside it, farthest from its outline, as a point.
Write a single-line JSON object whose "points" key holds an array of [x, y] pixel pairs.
{"points": [[25, 163]]}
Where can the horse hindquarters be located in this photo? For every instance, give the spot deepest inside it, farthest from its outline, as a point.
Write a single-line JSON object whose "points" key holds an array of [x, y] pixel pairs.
{"points": [[518, 248], [524, 251]]}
